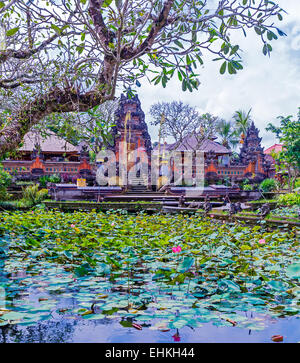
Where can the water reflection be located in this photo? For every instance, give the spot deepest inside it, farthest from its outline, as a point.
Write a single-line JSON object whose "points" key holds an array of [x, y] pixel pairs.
{"points": [[108, 330]]}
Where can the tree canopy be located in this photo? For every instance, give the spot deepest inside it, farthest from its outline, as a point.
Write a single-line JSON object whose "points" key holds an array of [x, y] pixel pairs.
{"points": [[288, 133], [71, 55]]}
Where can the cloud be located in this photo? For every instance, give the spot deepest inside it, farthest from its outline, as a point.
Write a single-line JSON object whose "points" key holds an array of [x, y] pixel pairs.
{"points": [[270, 86]]}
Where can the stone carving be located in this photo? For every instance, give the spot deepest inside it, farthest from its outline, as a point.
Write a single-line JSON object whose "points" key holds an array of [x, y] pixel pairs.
{"points": [[84, 153], [181, 201], [207, 205], [265, 210]]}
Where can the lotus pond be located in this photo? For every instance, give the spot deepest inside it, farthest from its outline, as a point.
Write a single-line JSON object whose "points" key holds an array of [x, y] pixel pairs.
{"points": [[121, 277]]}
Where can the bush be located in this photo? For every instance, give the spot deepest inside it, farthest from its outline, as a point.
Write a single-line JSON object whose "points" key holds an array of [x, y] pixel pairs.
{"points": [[247, 187], [32, 195], [289, 199], [5, 180], [268, 185], [55, 178]]}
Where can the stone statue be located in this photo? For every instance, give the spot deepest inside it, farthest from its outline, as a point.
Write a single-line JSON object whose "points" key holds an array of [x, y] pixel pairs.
{"points": [[181, 201], [207, 205], [265, 210]]}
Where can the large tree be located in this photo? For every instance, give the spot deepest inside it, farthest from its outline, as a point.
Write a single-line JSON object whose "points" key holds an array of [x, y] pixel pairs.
{"points": [[175, 118], [288, 160], [70, 55]]}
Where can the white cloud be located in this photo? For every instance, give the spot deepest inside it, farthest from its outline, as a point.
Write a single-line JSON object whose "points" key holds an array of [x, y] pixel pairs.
{"points": [[271, 86]]}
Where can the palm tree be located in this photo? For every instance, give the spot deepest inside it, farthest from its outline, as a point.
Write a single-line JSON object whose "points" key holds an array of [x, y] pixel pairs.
{"points": [[228, 134], [242, 120]]}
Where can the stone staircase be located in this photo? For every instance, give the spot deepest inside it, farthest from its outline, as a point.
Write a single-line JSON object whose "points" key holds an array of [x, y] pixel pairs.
{"points": [[138, 185]]}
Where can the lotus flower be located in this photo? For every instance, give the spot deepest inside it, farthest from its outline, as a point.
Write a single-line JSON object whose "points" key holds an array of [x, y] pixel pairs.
{"points": [[176, 249], [262, 241], [176, 337], [72, 225]]}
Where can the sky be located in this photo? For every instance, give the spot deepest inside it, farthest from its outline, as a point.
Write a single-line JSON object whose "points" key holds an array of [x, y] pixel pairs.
{"points": [[270, 86]]}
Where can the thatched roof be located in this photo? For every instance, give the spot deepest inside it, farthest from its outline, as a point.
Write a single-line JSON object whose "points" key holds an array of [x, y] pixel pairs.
{"points": [[50, 144], [192, 143]]}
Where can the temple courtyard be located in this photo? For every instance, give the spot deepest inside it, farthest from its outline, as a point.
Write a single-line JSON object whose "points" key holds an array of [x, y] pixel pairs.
{"points": [[95, 251]]}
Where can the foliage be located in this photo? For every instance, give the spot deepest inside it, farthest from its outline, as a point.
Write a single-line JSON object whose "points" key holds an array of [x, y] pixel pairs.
{"points": [[5, 181], [289, 199], [33, 196], [92, 127], [286, 212], [228, 134], [247, 187], [74, 62], [23, 183], [268, 185], [123, 266], [242, 120], [44, 179], [288, 160]]}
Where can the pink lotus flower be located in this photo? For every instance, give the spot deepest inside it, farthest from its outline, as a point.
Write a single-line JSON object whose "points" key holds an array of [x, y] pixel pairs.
{"points": [[113, 223], [262, 241], [72, 225], [212, 216], [176, 337], [176, 249]]}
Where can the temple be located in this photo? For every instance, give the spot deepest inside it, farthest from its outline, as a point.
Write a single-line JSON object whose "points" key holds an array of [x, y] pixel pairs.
{"points": [[252, 155], [132, 143]]}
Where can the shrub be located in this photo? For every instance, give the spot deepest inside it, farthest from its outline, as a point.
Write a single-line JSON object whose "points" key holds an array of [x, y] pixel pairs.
{"points": [[41, 195], [43, 181], [32, 195], [268, 185], [247, 187], [289, 199], [5, 180], [55, 178]]}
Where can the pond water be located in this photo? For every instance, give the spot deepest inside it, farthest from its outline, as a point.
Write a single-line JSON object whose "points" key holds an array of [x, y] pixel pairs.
{"points": [[107, 331], [164, 279]]}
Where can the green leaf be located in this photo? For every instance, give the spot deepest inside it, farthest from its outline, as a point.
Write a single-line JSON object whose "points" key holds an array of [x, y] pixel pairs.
{"points": [[234, 49], [186, 264], [277, 285], [223, 68], [12, 32], [230, 285], [106, 3], [231, 68], [293, 271], [177, 42], [82, 270], [56, 29]]}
